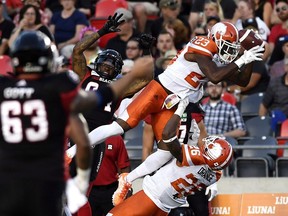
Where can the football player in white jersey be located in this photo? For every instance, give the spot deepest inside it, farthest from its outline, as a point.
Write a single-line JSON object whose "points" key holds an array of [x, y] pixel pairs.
{"points": [[193, 168], [184, 77]]}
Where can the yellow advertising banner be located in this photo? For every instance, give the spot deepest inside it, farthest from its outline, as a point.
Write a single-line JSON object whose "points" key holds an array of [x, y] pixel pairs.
{"points": [[250, 204]]}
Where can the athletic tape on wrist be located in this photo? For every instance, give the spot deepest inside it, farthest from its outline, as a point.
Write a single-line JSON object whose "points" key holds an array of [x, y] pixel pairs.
{"points": [[170, 140]]}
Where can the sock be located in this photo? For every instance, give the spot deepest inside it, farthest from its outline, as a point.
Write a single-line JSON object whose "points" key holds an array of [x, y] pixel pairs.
{"points": [[151, 164], [101, 133], [98, 135]]}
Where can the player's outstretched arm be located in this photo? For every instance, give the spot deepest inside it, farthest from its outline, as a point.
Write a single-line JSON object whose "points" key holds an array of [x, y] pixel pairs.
{"points": [[78, 58], [142, 73], [230, 71], [169, 134]]}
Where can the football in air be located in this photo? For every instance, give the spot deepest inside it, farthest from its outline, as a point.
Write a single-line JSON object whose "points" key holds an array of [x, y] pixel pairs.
{"points": [[249, 38]]}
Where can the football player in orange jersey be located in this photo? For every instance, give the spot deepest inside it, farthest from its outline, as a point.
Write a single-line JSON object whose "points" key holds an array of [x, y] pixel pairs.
{"points": [[193, 169], [184, 77]]}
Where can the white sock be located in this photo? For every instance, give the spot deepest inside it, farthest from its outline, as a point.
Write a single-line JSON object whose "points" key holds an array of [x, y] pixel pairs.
{"points": [[151, 164], [98, 135], [101, 133]]}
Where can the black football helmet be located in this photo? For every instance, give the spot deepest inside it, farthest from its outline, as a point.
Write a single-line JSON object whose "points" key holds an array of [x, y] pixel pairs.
{"points": [[33, 52], [111, 56]]}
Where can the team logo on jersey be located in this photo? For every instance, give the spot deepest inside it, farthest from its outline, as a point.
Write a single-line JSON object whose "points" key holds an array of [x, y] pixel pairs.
{"points": [[110, 147]]}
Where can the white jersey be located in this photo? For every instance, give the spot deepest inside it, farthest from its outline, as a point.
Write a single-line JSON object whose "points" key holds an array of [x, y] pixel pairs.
{"points": [[185, 78], [170, 185]]}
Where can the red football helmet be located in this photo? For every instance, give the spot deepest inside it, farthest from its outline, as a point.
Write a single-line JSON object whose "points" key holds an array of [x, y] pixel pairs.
{"points": [[226, 37], [217, 152]]}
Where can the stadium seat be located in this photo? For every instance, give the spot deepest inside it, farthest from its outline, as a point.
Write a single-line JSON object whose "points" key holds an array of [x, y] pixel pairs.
{"points": [[259, 126], [249, 106], [283, 137], [251, 167], [282, 167], [5, 65], [265, 153], [105, 8]]}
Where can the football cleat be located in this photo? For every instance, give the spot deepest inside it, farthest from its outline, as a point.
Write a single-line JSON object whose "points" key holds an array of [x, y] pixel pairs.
{"points": [[122, 191]]}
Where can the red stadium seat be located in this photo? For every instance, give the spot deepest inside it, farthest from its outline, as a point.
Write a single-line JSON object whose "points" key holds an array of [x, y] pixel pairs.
{"points": [[283, 138], [98, 23], [104, 8], [5, 65]]}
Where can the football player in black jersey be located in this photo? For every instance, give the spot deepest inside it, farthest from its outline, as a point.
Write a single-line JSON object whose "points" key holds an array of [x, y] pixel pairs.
{"points": [[38, 110], [103, 71]]}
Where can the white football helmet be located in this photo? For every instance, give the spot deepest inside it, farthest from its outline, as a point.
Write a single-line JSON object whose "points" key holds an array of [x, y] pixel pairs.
{"points": [[217, 152], [226, 37]]}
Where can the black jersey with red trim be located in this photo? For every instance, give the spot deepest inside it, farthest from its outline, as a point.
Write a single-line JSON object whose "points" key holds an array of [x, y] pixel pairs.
{"points": [[98, 116], [34, 116], [193, 111]]}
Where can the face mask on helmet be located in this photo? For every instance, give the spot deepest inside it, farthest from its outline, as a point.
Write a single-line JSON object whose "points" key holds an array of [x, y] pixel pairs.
{"points": [[108, 64], [225, 35], [32, 52], [217, 152]]}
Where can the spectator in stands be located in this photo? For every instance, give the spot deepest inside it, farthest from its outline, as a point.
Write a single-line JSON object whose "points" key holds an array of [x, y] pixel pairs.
{"points": [[203, 30], [278, 67], [6, 28], [278, 30], [197, 9], [247, 17], [92, 51], [276, 95], [30, 19], [164, 43], [66, 26], [211, 9], [133, 50], [127, 32], [169, 11], [222, 118], [45, 14], [179, 31], [263, 10], [141, 10], [162, 62]]}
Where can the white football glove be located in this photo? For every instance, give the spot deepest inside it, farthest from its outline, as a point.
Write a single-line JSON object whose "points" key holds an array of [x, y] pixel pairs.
{"points": [[182, 106], [211, 191], [75, 199], [195, 133], [76, 189], [253, 54]]}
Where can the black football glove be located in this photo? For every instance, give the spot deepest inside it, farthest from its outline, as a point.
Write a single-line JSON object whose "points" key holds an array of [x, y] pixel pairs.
{"points": [[146, 41], [111, 25]]}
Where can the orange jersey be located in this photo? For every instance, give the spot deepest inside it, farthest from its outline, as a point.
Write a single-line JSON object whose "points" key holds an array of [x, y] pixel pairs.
{"points": [[185, 78], [171, 184]]}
